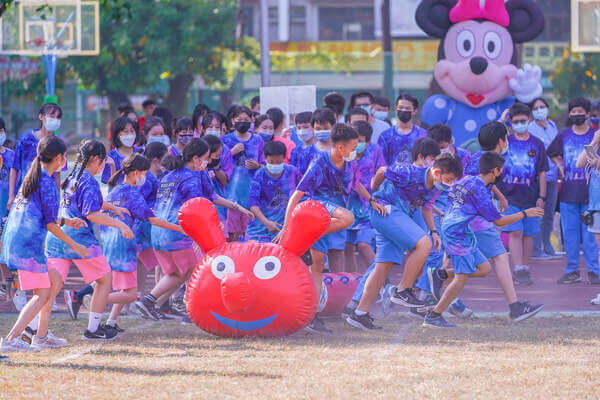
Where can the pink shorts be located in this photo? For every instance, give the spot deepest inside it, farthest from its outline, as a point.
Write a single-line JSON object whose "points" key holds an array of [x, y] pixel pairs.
{"points": [[148, 258], [124, 280], [236, 222], [91, 269], [33, 280], [179, 260]]}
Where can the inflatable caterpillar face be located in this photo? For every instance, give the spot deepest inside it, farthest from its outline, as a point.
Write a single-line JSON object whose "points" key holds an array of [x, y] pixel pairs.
{"points": [[252, 289], [476, 55]]}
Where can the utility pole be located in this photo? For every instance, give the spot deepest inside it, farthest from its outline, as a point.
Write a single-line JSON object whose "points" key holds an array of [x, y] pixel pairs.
{"points": [[265, 61], [386, 44]]}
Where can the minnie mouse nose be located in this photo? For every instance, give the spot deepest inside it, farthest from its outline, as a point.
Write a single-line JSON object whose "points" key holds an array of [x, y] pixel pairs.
{"points": [[478, 65]]}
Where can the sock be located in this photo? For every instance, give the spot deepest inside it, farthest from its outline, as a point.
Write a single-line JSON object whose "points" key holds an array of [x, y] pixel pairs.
{"points": [[111, 322], [150, 298], [358, 312], [34, 323], [514, 306], [443, 274], [352, 304], [521, 268], [86, 290], [94, 321]]}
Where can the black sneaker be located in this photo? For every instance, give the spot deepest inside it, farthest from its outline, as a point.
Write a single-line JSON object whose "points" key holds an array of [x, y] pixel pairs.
{"points": [[146, 309], [317, 326], [28, 335], [102, 334], [525, 310], [522, 277], [406, 298], [593, 279], [187, 321], [418, 313], [435, 282], [571, 277], [73, 303], [364, 322], [170, 312], [436, 321], [116, 327], [346, 312]]}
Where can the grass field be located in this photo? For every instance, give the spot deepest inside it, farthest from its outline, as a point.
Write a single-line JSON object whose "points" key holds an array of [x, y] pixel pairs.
{"points": [[487, 358]]}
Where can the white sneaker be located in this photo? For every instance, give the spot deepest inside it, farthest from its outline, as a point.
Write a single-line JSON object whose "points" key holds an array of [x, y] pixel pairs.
{"points": [[56, 342], [49, 342], [17, 344], [596, 300], [20, 299]]}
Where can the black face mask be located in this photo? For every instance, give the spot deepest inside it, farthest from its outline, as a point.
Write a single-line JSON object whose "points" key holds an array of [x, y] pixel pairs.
{"points": [[242, 127], [577, 119], [213, 163], [404, 116]]}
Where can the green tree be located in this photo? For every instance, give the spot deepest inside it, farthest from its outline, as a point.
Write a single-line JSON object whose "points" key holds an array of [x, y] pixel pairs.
{"points": [[576, 75]]}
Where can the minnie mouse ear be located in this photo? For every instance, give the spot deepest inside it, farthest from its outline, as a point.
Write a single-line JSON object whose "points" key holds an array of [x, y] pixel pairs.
{"points": [[433, 16], [526, 20]]}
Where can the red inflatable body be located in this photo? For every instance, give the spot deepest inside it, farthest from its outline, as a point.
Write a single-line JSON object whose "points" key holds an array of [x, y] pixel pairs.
{"points": [[252, 289], [340, 288]]}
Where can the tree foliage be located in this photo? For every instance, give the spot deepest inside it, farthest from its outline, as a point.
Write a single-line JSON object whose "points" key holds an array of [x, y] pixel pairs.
{"points": [[576, 75]]}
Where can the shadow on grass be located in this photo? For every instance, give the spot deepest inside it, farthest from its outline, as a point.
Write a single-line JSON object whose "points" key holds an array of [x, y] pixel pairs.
{"points": [[139, 371]]}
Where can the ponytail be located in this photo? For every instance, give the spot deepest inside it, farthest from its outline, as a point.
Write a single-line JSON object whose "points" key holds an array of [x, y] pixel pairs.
{"points": [[87, 149], [172, 163], [134, 162], [114, 179], [32, 179], [195, 148], [48, 148]]}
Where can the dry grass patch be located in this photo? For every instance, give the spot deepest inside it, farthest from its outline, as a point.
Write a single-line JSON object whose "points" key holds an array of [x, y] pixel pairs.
{"points": [[487, 358]]}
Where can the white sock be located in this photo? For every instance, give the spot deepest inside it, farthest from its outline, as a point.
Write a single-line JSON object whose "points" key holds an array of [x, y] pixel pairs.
{"points": [[521, 268], [111, 322], [358, 312], [34, 323], [94, 321]]}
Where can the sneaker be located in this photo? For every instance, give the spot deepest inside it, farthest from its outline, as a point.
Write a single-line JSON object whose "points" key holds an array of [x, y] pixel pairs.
{"points": [[347, 312], [418, 313], [526, 310], [406, 298], [87, 302], [593, 279], [17, 344], [4, 358], [56, 341], [436, 322], [20, 299], [170, 311], [317, 326], [116, 327], [522, 277], [364, 322], [49, 342], [28, 335], [186, 321], [459, 309], [146, 309], [571, 277], [435, 283], [102, 334], [3, 291], [162, 316], [73, 303], [596, 300]]}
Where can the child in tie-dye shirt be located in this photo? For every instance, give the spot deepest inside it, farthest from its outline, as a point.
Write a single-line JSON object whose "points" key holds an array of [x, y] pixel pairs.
{"points": [[123, 138], [303, 154]]}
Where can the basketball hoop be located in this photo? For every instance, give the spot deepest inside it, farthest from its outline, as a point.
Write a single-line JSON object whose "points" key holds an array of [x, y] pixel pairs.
{"points": [[37, 43]]}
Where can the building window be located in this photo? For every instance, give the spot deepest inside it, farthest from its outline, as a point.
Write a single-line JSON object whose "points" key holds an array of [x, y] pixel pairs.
{"points": [[298, 24], [273, 25], [248, 17], [557, 14], [336, 23]]}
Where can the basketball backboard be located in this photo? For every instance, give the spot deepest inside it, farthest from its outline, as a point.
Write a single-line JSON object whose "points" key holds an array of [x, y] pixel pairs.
{"points": [[585, 25], [61, 27]]}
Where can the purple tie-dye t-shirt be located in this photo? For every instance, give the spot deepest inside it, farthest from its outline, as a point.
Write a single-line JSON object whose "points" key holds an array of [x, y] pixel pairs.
{"points": [[368, 165], [302, 157], [397, 146]]}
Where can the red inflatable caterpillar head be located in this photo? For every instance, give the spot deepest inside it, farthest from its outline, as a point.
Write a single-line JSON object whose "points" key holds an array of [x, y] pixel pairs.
{"points": [[252, 289]]}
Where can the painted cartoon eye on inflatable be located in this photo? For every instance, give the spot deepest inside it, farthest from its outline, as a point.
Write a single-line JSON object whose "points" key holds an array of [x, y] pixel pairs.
{"points": [[252, 289]]}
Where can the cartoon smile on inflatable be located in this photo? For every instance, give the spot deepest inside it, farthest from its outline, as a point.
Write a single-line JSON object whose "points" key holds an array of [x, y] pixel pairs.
{"points": [[252, 289]]}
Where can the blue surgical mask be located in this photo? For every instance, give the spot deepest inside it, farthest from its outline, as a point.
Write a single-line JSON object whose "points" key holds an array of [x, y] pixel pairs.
{"points": [[380, 115], [266, 136], [520, 127], [305, 134], [366, 108], [275, 169], [164, 139], [323, 136], [140, 181], [214, 133], [361, 147], [351, 156], [540, 114]]}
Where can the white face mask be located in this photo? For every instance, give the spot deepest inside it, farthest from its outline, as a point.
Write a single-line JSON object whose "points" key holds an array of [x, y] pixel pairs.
{"points": [[214, 133], [164, 139], [52, 124], [127, 140], [2, 138], [505, 150], [446, 150], [140, 181], [351, 156]]}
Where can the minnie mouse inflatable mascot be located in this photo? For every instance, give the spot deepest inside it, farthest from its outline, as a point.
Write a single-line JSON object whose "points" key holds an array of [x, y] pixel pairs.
{"points": [[476, 60]]}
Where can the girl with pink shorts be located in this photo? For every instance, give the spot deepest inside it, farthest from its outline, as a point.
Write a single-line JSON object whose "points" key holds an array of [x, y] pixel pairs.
{"points": [[187, 179], [33, 214], [119, 251], [82, 198]]}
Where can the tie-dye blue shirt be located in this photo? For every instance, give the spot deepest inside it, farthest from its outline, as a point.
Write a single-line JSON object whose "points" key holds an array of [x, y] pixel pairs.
{"points": [[25, 152], [302, 156], [569, 145], [525, 160], [465, 157], [469, 198], [594, 198], [226, 164], [397, 146], [141, 228], [405, 186], [79, 199], [472, 167], [8, 158], [25, 230], [368, 165], [547, 136], [271, 196], [175, 188], [326, 182], [118, 159], [121, 253], [253, 148]]}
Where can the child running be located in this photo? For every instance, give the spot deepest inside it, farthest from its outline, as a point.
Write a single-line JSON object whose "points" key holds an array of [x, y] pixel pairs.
{"points": [[35, 213], [174, 250], [471, 197]]}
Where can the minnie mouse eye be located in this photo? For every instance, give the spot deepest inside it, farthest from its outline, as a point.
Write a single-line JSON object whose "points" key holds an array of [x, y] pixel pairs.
{"points": [[221, 266], [492, 45], [267, 267], [465, 43]]}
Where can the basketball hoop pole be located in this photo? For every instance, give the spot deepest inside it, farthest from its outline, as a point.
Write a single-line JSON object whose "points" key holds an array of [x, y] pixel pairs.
{"points": [[50, 61]]}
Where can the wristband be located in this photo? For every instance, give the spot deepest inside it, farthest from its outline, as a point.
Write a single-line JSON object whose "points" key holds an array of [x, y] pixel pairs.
{"points": [[431, 232], [524, 214], [61, 221]]}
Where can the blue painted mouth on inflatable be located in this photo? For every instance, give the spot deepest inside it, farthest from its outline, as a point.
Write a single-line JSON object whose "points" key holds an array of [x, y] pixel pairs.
{"points": [[243, 325]]}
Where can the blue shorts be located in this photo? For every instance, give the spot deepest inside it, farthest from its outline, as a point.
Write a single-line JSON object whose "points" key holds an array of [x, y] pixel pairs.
{"points": [[394, 234], [489, 243], [529, 226], [365, 235], [335, 240], [467, 264]]}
